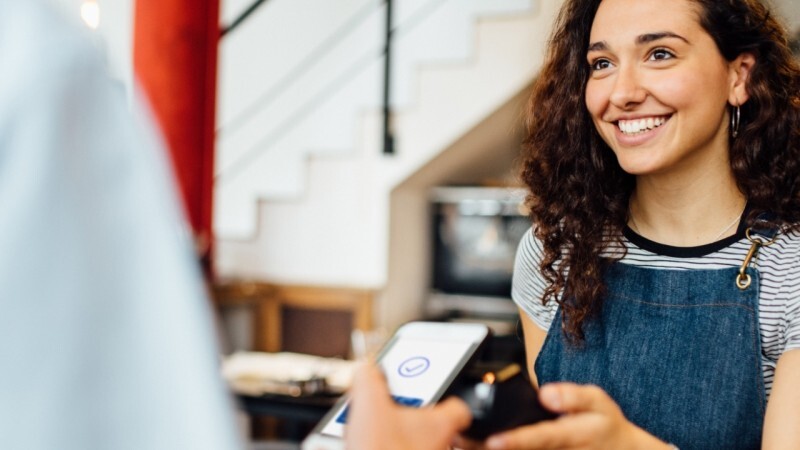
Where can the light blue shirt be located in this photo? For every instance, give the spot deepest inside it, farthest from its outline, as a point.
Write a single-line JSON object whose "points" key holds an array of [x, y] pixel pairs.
{"points": [[106, 337]]}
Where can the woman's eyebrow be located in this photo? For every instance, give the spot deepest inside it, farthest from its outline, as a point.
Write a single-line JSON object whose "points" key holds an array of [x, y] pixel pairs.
{"points": [[598, 46], [651, 37], [640, 40]]}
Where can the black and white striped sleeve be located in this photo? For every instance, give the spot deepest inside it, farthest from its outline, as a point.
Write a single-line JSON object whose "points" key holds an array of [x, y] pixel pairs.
{"points": [[528, 285], [792, 334]]}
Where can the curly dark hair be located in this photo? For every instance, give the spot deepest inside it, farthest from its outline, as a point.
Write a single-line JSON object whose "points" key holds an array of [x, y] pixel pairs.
{"points": [[579, 194]]}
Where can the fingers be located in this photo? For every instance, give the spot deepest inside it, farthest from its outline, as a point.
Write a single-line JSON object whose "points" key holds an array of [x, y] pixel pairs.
{"points": [[462, 443], [369, 385], [565, 432], [454, 414], [590, 416], [427, 428], [572, 398], [370, 409], [375, 421]]}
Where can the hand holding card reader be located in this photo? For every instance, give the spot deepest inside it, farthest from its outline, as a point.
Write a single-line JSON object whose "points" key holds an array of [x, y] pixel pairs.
{"points": [[499, 400]]}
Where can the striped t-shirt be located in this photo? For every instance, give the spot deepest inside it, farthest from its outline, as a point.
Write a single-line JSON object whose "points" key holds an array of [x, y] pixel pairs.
{"points": [[778, 266]]}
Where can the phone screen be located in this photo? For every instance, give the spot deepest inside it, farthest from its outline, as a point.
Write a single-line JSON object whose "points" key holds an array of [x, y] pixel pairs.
{"points": [[418, 372]]}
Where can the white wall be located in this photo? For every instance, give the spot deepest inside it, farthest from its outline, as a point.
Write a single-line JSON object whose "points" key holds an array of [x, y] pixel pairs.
{"points": [[336, 231]]}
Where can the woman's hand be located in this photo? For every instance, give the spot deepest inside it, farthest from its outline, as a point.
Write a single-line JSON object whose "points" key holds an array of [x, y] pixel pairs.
{"points": [[376, 422], [590, 420]]}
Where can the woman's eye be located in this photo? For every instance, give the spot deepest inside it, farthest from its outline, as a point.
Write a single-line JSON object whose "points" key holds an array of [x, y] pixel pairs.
{"points": [[600, 64], [661, 54]]}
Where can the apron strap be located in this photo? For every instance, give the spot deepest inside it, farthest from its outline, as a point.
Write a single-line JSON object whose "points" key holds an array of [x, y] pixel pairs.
{"points": [[763, 227], [760, 236]]}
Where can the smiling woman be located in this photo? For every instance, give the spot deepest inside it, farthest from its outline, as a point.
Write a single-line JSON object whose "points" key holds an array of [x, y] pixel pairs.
{"points": [[656, 155]]}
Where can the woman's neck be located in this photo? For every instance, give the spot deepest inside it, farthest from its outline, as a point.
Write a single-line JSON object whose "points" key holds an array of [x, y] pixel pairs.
{"points": [[686, 211]]}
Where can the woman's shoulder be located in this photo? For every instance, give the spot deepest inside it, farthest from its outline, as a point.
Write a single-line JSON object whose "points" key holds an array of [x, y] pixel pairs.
{"points": [[780, 263], [789, 236], [783, 250], [530, 246], [529, 257], [528, 284]]}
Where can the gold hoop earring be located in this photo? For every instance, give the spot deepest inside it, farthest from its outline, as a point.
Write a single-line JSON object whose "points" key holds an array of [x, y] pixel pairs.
{"points": [[736, 116]]}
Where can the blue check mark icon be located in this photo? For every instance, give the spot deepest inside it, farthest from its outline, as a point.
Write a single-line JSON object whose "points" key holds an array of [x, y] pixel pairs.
{"points": [[414, 366]]}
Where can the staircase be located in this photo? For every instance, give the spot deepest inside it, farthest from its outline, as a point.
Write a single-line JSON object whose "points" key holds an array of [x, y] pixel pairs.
{"points": [[302, 188]]}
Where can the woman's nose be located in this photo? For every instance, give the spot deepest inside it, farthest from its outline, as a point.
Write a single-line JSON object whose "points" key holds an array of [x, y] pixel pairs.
{"points": [[627, 90]]}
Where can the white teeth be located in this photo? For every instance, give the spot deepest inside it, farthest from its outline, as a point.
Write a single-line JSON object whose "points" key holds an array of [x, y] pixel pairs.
{"points": [[640, 125]]}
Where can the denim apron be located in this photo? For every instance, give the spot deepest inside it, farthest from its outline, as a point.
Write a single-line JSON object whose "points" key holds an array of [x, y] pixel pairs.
{"points": [[679, 351]]}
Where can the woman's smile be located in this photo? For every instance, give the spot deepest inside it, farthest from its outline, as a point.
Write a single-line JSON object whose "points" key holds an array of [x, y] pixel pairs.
{"points": [[633, 127], [636, 132]]}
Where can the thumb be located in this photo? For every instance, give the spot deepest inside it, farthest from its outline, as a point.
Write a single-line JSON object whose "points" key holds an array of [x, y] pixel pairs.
{"points": [[454, 413], [369, 385], [573, 398]]}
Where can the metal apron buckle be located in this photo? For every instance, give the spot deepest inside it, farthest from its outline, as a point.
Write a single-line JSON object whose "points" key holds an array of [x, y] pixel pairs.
{"points": [[743, 279]]}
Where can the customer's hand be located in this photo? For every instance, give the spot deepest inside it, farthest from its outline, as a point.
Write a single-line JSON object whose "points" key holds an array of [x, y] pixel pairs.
{"points": [[376, 422], [591, 420]]}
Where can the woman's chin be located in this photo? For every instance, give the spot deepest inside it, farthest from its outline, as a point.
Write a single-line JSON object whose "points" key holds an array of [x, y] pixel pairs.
{"points": [[639, 168]]}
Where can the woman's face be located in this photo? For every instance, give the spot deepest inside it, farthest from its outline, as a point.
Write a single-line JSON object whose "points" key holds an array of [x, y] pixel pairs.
{"points": [[659, 87]]}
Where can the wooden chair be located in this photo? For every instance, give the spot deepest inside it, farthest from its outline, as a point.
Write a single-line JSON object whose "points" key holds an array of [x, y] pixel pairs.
{"points": [[316, 320]]}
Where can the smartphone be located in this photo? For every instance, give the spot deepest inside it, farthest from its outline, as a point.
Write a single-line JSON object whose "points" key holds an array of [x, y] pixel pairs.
{"points": [[420, 362]]}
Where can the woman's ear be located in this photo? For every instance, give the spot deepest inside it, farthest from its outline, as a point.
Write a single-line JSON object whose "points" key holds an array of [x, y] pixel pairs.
{"points": [[740, 69]]}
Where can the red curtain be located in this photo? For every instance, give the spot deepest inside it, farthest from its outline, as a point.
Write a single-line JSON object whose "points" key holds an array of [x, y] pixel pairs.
{"points": [[175, 60]]}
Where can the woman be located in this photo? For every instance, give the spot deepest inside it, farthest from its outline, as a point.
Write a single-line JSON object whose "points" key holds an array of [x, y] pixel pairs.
{"points": [[663, 148], [660, 288]]}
